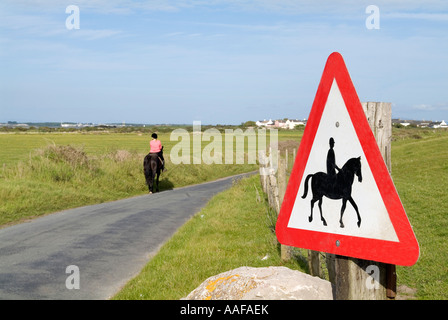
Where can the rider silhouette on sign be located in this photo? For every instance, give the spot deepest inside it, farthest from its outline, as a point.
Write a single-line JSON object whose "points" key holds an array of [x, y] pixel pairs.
{"points": [[331, 161]]}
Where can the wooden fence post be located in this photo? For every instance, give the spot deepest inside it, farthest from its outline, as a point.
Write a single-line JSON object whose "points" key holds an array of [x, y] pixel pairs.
{"points": [[262, 161], [281, 178], [285, 251], [351, 277], [268, 179], [314, 263]]}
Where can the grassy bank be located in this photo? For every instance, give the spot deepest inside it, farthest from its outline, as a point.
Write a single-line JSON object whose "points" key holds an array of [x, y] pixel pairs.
{"points": [[420, 174], [233, 230]]}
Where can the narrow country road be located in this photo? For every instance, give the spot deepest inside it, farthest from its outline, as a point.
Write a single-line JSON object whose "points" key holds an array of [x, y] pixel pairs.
{"points": [[109, 243]]}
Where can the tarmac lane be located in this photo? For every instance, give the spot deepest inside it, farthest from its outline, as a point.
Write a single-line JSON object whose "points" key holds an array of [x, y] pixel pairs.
{"points": [[90, 252]]}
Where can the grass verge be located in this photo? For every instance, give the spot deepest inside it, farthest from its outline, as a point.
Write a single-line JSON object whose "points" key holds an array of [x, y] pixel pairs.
{"points": [[420, 173]]}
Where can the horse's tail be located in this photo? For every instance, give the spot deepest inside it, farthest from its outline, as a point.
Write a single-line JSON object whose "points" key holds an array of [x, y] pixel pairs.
{"points": [[306, 185]]}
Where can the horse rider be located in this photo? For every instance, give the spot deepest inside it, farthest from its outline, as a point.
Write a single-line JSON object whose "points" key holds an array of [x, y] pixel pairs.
{"points": [[331, 161], [156, 147]]}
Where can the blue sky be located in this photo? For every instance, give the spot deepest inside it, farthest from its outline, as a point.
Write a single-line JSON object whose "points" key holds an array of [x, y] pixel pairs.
{"points": [[216, 61]]}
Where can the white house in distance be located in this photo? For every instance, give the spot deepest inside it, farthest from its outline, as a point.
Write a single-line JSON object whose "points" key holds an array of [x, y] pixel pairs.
{"points": [[440, 125], [265, 123], [290, 124], [421, 123], [285, 124]]}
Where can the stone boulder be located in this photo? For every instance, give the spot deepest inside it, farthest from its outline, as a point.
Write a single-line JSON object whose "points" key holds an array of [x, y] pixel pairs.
{"points": [[270, 283]]}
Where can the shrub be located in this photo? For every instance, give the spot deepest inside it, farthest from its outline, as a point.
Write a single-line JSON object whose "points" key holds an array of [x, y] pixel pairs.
{"points": [[74, 156]]}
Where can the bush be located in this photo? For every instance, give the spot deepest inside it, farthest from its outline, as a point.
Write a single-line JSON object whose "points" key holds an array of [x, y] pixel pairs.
{"points": [[74, 156]]}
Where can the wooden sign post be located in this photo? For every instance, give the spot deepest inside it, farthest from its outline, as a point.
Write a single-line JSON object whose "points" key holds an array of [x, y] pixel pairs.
{"points": [[364, 279], [379, 116]]}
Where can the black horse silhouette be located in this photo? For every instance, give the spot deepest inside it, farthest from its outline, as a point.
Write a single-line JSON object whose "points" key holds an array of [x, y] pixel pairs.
{"points": [[337, 187], [152, 166]]}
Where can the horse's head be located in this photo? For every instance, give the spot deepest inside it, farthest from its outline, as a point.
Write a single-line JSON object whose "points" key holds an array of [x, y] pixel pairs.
{"points": [[353, 167], [358, 169]]}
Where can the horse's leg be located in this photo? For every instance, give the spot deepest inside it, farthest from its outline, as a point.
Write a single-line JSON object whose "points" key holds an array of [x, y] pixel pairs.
{"points": [[320, 209], [157, 181], [356, 209], [310, 218], [146, 171], [153, 168], [150, 183], [154, 180], [344, 204]]}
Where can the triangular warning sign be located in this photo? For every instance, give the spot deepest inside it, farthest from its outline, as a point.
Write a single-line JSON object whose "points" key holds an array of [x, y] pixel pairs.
{"points": [[340, 197]]}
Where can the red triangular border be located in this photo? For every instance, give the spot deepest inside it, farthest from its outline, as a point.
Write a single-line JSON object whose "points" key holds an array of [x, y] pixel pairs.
{"points": [[406, 251]]}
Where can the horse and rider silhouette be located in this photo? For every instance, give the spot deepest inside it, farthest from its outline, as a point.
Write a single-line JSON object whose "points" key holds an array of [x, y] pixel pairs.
{"points": [[334, 185]]}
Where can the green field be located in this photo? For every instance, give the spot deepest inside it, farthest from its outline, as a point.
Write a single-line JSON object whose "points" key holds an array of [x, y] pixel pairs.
{"points": [[20, 146]]}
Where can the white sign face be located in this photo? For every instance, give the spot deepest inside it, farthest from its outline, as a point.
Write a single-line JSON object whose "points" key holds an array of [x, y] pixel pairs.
{"points": [[373, 221]]}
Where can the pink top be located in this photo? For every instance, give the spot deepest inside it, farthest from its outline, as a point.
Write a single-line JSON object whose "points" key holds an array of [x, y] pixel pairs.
{"points": [[156, 146]]}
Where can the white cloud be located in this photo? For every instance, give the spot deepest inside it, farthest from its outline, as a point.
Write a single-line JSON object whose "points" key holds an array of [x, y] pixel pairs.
{"points": [[91, 34], [409, 9], [278, 6], [431, 107], [424, 107], [418, 16]]}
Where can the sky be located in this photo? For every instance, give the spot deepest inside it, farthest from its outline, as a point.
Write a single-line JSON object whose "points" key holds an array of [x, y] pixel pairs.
{"points": [[215, 61]]}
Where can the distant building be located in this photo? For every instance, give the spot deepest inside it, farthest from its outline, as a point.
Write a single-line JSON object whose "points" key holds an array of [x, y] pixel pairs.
{"points": [[420, 123], [291, 124], [265, 123], [14, 124], [69, 125], [437, 125], [77, 125], [281, 124], [423, 124]]}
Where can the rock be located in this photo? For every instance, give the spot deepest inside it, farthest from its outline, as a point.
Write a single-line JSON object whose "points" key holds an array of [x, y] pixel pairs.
{"points": [[270, 283]]}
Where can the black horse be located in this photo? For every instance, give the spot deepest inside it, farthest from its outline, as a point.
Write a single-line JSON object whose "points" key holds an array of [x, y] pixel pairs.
{"points": [[337, 187], [152, 166]]}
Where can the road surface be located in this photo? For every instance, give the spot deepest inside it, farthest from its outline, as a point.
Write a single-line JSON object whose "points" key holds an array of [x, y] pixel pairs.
{"points": [[107, 243]]}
